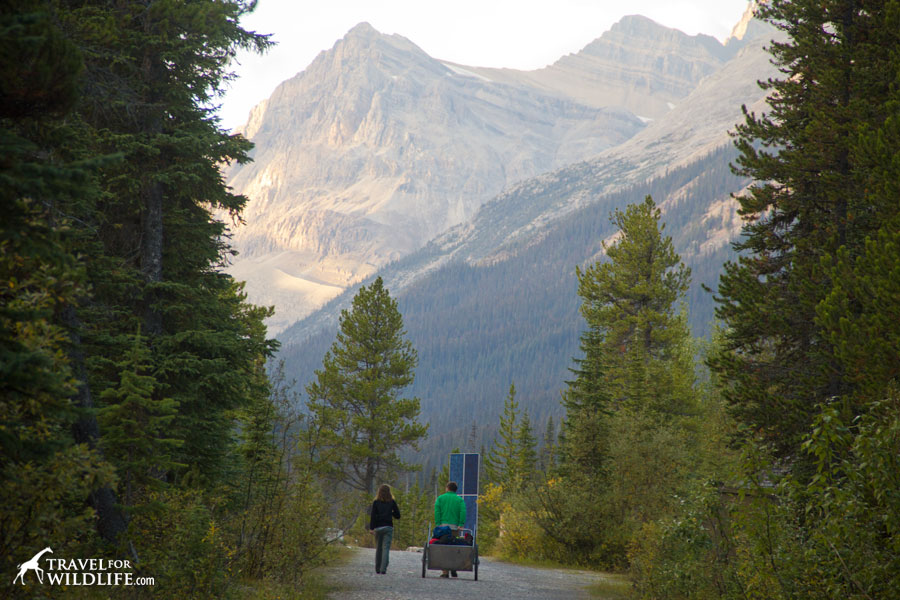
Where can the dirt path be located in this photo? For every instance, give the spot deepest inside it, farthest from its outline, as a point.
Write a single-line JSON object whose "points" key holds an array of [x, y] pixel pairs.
{"points": [[357, 580]]}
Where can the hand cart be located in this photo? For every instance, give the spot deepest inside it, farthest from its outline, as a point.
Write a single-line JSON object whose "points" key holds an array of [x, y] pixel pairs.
{"points": [[450, 557]]}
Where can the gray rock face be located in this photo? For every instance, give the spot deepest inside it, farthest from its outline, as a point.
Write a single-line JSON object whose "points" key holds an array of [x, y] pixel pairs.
{"points": [[376, 147], [522, 214], [637, 64]]}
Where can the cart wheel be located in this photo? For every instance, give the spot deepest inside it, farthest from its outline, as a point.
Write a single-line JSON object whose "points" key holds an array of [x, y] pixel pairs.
{"points": [[424, 556], [475, 566]]}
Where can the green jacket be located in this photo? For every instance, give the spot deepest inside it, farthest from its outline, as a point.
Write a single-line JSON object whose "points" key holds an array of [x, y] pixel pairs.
{"points": [[449, 508]]}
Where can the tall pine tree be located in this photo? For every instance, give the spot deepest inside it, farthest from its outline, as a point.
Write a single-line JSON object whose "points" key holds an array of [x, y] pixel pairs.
{"points": [[355, 399], [47, 476], [811, 157], [153, 72], [634, 346], [633, 386]]}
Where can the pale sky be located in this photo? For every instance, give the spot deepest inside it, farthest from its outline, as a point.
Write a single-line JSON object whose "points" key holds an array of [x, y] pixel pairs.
{"points": [[519, 34]]}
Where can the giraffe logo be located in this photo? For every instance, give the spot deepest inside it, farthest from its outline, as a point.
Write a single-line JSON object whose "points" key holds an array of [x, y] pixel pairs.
{"points": [[33, 565]]}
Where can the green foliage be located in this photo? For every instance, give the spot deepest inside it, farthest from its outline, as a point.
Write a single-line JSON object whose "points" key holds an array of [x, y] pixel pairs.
{"points": [[628, 304], [627, 446], [834, 537], [690, 555], [46, 475], [354, 401], [183, 546], [110, 173], [526, 450], [135, 426], [853, 502], [548, 451], [859, 315], [276, 505], [154, 248], [808, 361], [417, 510], [506, 522], [505, 465], [822, 159], [40, 67]]}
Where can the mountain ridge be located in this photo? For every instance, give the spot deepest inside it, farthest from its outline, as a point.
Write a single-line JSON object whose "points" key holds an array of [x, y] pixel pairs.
{"points": [[376, 147], [525, 209]]}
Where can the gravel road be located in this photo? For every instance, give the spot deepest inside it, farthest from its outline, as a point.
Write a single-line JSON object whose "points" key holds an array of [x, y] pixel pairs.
{"points": [[356, 580]]}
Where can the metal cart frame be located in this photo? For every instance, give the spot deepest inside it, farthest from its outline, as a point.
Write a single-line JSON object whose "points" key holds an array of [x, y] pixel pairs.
{"points": [[450, 557]]}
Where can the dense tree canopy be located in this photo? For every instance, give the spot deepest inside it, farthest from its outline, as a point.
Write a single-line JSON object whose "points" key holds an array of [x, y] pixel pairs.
{"points": [[818, 157], [127, 354]]}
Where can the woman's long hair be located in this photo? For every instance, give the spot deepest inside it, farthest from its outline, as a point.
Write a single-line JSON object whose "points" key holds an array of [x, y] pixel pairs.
{"points": [[384, 494]]}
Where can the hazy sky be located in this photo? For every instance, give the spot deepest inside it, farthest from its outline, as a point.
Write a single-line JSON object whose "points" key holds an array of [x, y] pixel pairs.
{"points": [[521, 34]]}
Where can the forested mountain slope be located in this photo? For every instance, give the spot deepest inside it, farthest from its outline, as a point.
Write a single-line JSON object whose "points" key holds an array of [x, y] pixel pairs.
{"points": [[492, 301], [478, 326]]}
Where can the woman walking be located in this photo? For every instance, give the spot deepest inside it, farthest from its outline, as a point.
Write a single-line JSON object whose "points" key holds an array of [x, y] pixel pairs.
{"points": [[381, 521]]}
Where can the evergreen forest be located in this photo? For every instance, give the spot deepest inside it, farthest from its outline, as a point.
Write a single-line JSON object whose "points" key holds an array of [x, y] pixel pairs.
{"points": [[713, 423]]}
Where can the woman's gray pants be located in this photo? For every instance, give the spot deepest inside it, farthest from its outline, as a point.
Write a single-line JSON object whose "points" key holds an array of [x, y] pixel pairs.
{"points": [[383, 537]]}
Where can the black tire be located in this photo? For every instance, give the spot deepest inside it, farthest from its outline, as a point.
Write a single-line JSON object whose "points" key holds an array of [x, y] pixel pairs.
{"points": [[475, 565], [424, 558]]}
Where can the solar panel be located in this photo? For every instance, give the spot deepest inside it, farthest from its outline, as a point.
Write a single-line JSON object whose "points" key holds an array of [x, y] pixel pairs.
{"points": [[465, 470]]}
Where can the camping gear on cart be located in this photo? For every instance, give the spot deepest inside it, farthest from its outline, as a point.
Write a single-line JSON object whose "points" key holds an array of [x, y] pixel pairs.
{"points": [[455, 556], [461, 553]]}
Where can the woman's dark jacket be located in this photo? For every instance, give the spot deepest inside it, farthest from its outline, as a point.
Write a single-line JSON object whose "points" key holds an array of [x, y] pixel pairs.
{"points": [[382, 513]]}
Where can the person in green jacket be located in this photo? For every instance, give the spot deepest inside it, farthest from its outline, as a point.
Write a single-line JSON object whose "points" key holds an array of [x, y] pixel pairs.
{"points": [[450, 510]]}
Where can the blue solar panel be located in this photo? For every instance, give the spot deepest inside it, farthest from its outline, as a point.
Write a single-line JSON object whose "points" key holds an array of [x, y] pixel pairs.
{"points": [[457, 462], [464, 470], [471, 512], [470, 478]]}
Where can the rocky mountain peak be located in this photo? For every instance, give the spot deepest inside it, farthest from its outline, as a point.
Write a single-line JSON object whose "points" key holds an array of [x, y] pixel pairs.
{"points": [[749, 26], [363, 29], [376, 147], [638, 30], [364, 41]]}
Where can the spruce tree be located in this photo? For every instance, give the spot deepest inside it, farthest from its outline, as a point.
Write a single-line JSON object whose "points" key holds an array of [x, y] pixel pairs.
{"points": [[548, 447], [135, 424], [116, 161], [153, 72], [47, 474], [815, 158], [526, 449], [637, 335], [355, 399], [633, 387], [502, 464]]}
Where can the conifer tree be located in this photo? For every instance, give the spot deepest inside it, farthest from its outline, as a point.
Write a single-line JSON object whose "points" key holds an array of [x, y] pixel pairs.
{"points": [[135, 426], [587, 403], [548, 448], [630, 305], [526, 449], [126, 92], [810, 358], [47, 476], [815, 157], [633, 386], [502, 464], [152, 73], [355, 399]]}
